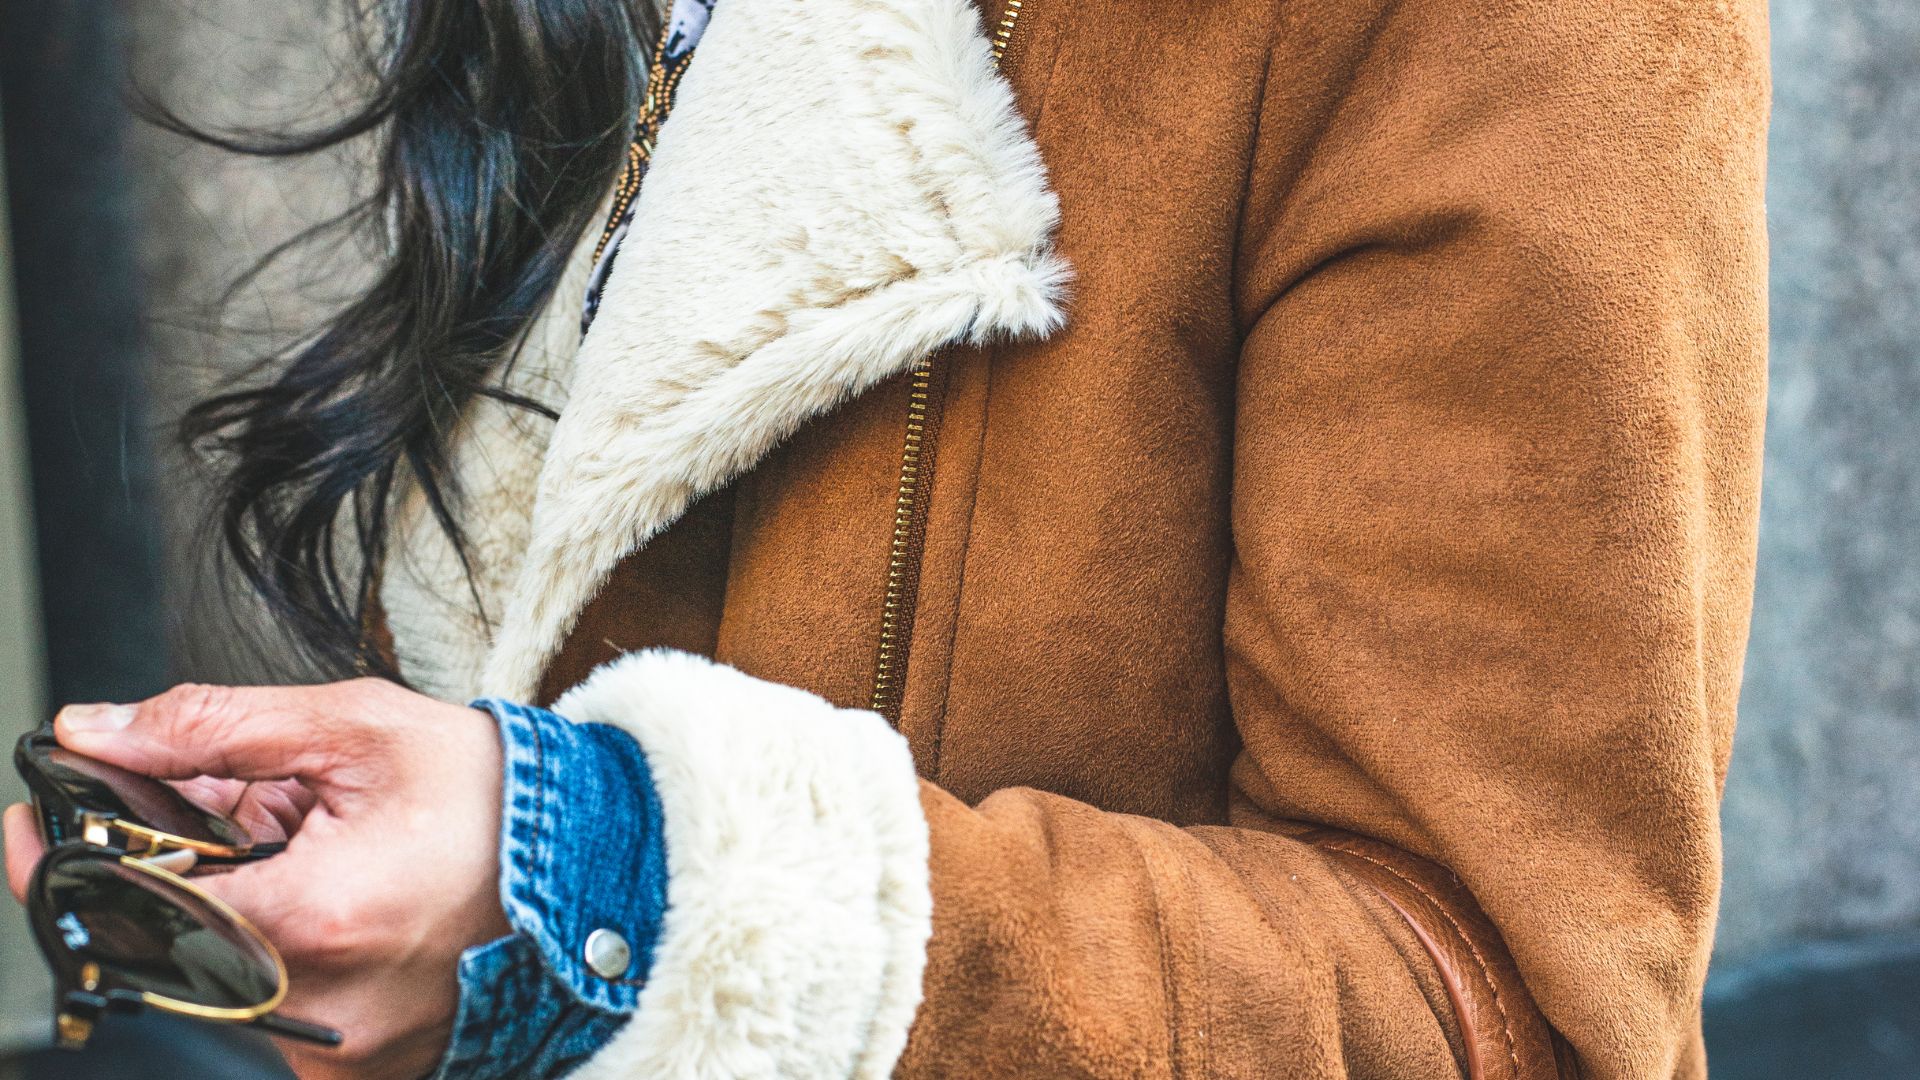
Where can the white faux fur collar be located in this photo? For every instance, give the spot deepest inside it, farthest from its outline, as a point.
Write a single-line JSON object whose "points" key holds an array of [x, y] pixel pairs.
{"points": [[844, 187]]}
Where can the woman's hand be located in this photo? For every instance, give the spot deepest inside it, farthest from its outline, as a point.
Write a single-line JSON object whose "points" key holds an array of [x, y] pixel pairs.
{"points": [[391, 871]]}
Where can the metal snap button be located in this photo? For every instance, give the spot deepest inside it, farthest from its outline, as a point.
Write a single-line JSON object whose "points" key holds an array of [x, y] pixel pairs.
{"points": [[608, 954]]}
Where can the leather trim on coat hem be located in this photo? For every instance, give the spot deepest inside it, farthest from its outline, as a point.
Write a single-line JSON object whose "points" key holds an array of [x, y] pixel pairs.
{"points": [[1504, 1033]]}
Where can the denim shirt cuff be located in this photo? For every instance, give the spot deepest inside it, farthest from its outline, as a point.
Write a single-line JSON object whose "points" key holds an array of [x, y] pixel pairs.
{"points": [[515, 1022], [581, 850]]}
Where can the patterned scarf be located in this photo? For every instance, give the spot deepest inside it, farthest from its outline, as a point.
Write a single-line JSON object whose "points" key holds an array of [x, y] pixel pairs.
{"points": [[685, 23]]}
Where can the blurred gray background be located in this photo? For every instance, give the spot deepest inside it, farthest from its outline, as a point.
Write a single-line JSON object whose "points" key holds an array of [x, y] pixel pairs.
{"points": [[122, 236]]}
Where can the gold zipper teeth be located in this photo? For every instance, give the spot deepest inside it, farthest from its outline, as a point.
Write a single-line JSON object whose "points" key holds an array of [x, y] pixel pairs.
{"points": [[905, 497], [1004, 32], [889, 665]]}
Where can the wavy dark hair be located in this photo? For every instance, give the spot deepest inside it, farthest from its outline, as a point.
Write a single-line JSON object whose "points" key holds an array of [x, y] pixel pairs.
{"points": [[498, 126]]}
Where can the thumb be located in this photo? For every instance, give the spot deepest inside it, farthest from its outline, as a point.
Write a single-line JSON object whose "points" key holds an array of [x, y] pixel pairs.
{"points": [[288, 899], [260, 891], [247, 733]]}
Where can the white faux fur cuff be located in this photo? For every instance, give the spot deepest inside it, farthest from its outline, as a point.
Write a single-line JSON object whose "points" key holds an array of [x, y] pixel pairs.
{"points": [[798, 899]]}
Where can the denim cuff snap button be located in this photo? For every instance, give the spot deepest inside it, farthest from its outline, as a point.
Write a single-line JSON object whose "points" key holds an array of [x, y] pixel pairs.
{"points": [[608, 954]]}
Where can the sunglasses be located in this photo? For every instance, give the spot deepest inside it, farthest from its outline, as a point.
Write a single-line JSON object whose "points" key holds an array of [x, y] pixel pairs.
{"points": [[120, 926]]}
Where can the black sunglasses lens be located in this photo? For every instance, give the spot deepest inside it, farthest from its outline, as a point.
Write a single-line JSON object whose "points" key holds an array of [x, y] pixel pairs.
{"points": [[96, 785], [148, 935]]}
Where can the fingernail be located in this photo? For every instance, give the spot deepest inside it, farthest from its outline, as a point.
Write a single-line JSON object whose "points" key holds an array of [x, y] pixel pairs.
{"points": [[96, 718], [175, 862]]}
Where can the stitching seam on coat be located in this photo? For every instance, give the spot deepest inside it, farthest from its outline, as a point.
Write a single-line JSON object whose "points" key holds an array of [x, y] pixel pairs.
{"points": [[1167, 983], [939, 734], [1201, 967]]}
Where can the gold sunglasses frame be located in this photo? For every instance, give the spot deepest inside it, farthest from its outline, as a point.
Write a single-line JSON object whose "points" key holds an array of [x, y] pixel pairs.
{"points": [[97, 829], [72, 1031]]}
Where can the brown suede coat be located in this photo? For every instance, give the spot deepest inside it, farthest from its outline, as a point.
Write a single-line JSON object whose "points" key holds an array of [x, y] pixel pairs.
{"points": [[1386, 505]]}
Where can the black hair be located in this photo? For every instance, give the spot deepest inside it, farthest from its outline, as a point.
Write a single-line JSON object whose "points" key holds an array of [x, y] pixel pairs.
{"points": [[499, 126]]}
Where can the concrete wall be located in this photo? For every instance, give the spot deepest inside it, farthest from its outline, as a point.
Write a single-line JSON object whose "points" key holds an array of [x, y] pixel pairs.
{"points": [[23, 980], [1823, 805], [83, 373], [210, 215]]}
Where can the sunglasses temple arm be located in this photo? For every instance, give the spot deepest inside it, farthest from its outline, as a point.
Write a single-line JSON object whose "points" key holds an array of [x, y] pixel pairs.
{"points": [[254, 854], [287, 1027]]}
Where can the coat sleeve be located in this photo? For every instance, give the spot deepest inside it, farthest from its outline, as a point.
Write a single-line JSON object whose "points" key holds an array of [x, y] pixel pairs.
{"points": [[1495, 493]]}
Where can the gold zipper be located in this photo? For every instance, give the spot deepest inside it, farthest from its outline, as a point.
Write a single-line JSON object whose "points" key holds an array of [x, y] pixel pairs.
{"points": [[916, 462], [1003, 30]]}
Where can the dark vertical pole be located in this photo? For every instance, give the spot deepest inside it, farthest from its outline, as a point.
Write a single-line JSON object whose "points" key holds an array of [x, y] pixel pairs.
{"points": [[83, 378]]}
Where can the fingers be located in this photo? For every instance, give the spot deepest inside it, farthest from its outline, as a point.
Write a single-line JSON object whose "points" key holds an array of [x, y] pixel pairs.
{"points": [[269, 810], [211, 793], [245, 733], [272, 810], [24, 848]]}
